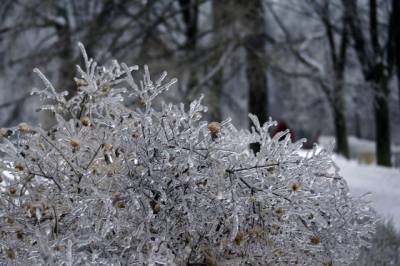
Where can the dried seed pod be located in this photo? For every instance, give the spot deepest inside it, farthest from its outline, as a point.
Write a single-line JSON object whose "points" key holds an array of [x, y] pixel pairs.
{"points": [[315, 240], [239, 238], [153, 230], [85, 121], [10, 254], [142, 102], [155, 206], [105, 88], [135, 135], [5, 132], [12, 190], [59, 248], [75, 143], [120, 204], [279, 211], [20, 234], [19, 166], [295, 186], [80, 82], [214, 128], [107, 147], [10, 220], [24, 127]]}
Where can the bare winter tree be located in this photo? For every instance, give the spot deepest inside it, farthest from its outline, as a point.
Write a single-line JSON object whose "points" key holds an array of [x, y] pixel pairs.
{"points": [[335, 89], [374, 53], [252, 20], [326, 74], [394, 32]]}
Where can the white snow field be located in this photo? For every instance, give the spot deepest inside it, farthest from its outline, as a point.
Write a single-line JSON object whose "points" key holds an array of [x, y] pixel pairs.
{"points": [[382, 182]]}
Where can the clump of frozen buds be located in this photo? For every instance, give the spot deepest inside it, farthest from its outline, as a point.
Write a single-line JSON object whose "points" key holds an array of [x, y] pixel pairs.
{"points": [[110, 184]]}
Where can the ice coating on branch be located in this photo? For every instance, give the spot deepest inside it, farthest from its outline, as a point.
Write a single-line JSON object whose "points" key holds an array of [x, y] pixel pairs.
{"points": [[158, 186]]}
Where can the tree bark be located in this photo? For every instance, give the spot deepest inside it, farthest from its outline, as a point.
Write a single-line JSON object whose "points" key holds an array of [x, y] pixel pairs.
{"points": [[342, 145], [395, 29], [253, 22], [189, 10], [383, 130], [376, 71], [221, 22], [257, 80], [339, 64], [66, 54], [335, 94], [339, 111], [382, 120]]}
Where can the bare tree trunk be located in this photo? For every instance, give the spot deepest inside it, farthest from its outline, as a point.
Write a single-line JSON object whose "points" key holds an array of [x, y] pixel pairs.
{"points": [[254, 43], [339, 59], [339, 114], [257, 79], [190, 18], [380, 83], [395, 25], [221, 22], [66, 54], [342, 145], [382, 120], [376, 70]]}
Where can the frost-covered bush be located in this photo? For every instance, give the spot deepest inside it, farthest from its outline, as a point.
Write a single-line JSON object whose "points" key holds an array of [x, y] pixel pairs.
{"points": [[385, 247], [109, 185]]}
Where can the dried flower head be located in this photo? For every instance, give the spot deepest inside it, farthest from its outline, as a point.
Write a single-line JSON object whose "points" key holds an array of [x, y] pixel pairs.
{"points": [[10, 220], [5, 132], [10, 254], [214, 127], [19, 166], [85, 121], [24, 127], [239, 238], [107, 147], [279, 211], [75, 143], [315, 240], [80, 82], [120, 204], [19, 234], [12, 190], [135, 135], [295, 186]]}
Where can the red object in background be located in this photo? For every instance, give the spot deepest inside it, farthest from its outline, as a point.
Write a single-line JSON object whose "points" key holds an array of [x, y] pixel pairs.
{"points": [[282, 126]]}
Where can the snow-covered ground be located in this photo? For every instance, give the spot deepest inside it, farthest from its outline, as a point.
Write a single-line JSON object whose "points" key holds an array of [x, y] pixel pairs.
{"points": [[382, 182]]}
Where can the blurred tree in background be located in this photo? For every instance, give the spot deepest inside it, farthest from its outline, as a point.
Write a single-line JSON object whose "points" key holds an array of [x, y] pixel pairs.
{"points": [[323, 67]]}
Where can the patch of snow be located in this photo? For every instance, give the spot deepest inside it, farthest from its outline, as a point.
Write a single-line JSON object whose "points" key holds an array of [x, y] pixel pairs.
{"points": [[382, 182]]}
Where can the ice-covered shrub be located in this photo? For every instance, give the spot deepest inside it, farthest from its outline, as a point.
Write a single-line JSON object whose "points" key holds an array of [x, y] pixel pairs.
{"points": [[109, 185], [385, 247]]}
